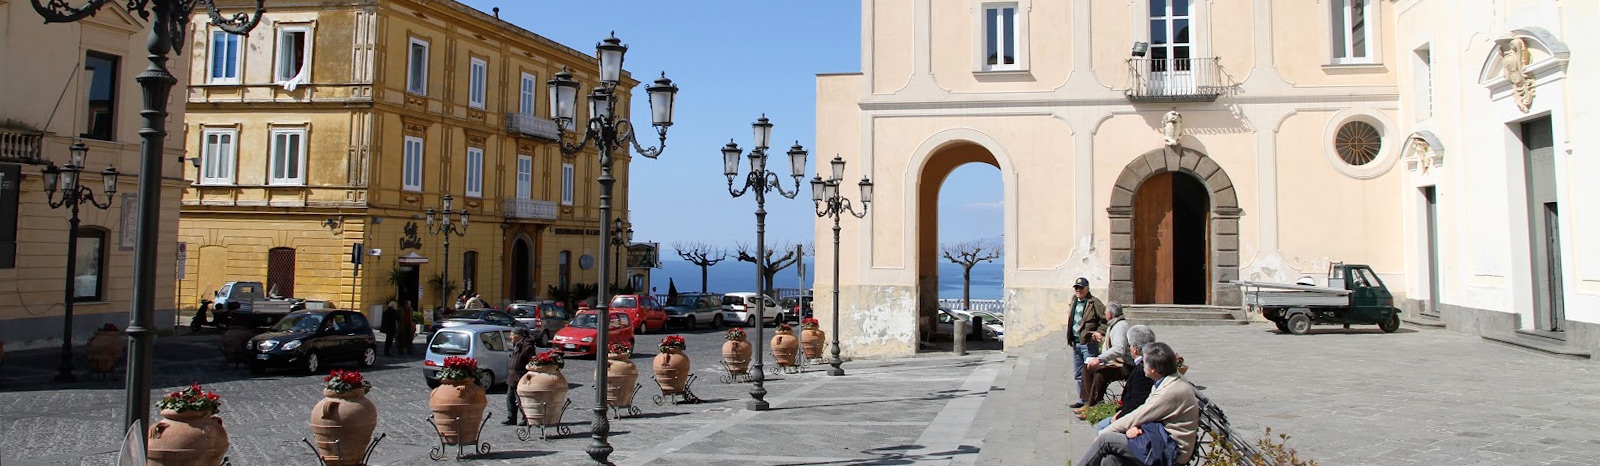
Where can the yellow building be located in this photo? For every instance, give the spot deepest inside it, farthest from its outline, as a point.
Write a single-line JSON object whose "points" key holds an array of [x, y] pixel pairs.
{"points": [[342, 123], [65, 83]]}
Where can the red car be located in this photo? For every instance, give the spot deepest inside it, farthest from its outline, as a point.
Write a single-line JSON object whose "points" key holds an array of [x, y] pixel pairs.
{"points": [[577, 338], [643, 310]]}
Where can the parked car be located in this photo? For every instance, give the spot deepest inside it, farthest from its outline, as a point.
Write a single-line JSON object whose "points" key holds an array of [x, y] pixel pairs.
{"points": [[544, 318], [692, 309], [474, 316], [944, 323], [577, 339], [739, 307], [489, 344], [643, 310], [309, 339], [994, 327], [795, 308]]}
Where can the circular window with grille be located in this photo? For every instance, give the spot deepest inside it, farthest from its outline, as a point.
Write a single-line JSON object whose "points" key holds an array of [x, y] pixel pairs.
{"points": [[1358, 143]]}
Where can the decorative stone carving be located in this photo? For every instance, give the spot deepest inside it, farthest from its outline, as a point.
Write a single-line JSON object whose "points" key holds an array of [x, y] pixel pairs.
{"points": [[1514, 62], [1172, 127]]}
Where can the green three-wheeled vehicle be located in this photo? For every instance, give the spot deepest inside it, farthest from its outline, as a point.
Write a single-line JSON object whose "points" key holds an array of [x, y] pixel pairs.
{"points": [[1353, 295]]}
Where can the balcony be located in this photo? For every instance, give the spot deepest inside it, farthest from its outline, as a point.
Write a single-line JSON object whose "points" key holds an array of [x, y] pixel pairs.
{"points": [[525, 125], [531, 209], [20, 146], [1176, 80]]}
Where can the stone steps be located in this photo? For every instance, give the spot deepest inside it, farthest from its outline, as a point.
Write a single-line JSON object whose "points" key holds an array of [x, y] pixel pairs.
{"points": [[1185, 315]]}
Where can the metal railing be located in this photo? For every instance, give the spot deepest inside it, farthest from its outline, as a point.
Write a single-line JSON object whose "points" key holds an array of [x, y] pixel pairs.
{"points": [[1176, 79], [20, 146], [987, 305], [523, 124], [531, 209]]}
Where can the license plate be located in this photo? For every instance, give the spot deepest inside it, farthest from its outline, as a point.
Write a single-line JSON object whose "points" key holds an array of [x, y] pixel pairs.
{"points": [[262, 357], [571, 346]]}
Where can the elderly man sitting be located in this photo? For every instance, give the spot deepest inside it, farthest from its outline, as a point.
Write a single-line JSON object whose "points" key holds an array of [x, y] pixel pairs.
{"points": [[1111, 364], [1163, 430], [1136, 389]]}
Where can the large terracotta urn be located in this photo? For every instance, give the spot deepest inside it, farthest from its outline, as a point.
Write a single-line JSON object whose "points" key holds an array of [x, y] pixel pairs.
{"points": [[542, 392], [342, 425], [621, 375], [105, 349], [784, 345], [457, 406], [234, 343], [672, 370], [189, 438], [736, 354], [811, 341]]}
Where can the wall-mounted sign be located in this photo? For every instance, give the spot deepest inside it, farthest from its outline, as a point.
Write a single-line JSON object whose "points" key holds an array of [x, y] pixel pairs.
{"points": [[411, 239], [183, 258], [587, 261], [130, 221], [644, 255], [577, 232]]}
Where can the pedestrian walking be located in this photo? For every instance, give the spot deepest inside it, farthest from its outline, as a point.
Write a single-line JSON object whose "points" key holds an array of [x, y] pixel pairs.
{"points": [[389, 324], [1083, 327], [522, 352], [406, 329]]}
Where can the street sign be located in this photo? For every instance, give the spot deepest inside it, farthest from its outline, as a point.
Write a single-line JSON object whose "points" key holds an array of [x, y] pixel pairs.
{"points": [[357, 252], [183, 258]]}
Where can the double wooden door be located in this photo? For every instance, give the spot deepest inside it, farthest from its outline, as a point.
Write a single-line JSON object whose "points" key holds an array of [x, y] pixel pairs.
{"points": [[1171, 245]]}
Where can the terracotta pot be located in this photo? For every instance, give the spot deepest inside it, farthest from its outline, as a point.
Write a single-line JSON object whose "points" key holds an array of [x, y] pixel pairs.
{"points": [[736, 354], [784, 345], [543, 395], [672, 370], [811, 341], [341, 426], [621, 375], [190, 438], [234, 343], [457, 406], [104, 349]]}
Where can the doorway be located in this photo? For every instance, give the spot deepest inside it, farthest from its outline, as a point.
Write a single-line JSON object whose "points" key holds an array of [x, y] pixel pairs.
{"points": [[521, 263], [407, 286], [1171, 240], [1430, 208], [1544, 224]]}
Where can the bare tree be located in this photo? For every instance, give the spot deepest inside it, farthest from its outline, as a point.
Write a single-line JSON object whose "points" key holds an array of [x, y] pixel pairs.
{"points": [[701, 254], [773, 265], [968, 254]]}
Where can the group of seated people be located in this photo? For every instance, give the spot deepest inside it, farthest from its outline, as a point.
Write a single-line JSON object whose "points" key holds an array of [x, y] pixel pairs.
{"points": [[1159, 419]]}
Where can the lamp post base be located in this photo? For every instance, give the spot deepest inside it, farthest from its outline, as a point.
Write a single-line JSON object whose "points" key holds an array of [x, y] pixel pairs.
{"points": [[835, 371], [757, 405]]}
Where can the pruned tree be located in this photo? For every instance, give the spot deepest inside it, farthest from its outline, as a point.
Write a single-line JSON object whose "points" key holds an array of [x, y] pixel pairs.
{"points": [[701, 254], [968, 254], [774, 265]]}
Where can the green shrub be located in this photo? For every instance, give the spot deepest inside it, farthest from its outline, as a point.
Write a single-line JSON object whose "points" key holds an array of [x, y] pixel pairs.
{"points": [[1100, 411], [1273, 452]]}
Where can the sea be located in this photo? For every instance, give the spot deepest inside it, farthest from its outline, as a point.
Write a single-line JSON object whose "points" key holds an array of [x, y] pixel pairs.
{"points": [[731, 276]]}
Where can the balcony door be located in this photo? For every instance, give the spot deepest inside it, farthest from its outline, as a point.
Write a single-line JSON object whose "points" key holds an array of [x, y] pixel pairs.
{"points": [[1171, 53]]}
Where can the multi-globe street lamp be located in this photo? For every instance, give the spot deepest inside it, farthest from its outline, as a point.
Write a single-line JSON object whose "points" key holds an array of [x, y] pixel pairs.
{"points": [[607, 132], [761, 181], [440, 225], [621, 235], [169, 20], [73, 194], [830, 203]]}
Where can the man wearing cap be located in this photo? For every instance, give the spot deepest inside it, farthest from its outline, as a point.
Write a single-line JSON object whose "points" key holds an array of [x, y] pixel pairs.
{"points": [[1083, 324]]}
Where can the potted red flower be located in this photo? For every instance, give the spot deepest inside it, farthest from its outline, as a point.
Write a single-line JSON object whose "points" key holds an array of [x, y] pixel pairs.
{"points": [[105, 348], [458, 402], [343, 421], [812, 338], [671, 365], [736, 351], [542, 391], [189, 431], [621, 374], [784, 345]]}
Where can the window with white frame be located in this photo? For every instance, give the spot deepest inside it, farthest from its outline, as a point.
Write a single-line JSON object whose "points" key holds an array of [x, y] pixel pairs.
{"points": [[1000, 36], [287, 163], [477, 88], [1422, 73], [224, 55], [220, 152], [411, 166], [417, 67], [474, 172], [566, 184], [529, 85], [294, 53], [1352, 31], [524, 177]]}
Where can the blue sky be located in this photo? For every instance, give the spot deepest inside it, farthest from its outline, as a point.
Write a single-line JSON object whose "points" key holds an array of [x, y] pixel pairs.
{"points": [[733, 61]]}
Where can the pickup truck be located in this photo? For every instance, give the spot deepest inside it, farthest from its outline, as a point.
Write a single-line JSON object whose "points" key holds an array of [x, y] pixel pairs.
{"points": [[248, 301]]}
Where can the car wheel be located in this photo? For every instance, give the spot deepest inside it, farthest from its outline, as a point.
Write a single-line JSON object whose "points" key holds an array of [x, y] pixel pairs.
{"points": [[1299, 324], [1390, 324], [313, 363], [716, 321], [643, 329], [544, 339], [369, 357], [485, 380]]}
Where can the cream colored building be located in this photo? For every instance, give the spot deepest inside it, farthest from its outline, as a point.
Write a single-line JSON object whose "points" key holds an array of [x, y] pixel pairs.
{"points": [[337, 123], [62, 83]]}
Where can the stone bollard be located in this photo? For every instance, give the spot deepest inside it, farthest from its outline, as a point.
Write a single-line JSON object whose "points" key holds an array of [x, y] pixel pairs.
{"points": [[959, 337]]}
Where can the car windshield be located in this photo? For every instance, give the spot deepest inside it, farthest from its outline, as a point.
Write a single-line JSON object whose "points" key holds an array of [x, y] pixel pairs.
{"points": [[451, 343], [587, 320], [524, 312], [686, 301], [298, 323], [624, 301]]}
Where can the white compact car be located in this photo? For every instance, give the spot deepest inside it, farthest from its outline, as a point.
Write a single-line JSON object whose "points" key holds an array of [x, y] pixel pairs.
{"points": [[737, 308], [489, 344]]}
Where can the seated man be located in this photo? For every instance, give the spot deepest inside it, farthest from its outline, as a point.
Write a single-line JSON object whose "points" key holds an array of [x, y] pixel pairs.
{"points": [[1111, 364], [1137, 387], [1172, 405]]}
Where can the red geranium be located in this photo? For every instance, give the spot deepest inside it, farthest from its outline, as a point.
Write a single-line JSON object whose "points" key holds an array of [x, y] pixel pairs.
{"points": [[460, 368], [340, 381], [193, 398], [785, 328], [673, 342], [619, 348], [549, 358], [809, 323]]}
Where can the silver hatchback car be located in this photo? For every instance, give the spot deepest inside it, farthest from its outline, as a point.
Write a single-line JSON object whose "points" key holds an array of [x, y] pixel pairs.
{"points": [[489, 344]]}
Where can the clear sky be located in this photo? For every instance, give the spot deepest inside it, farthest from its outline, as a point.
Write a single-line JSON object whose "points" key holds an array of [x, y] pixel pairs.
{"points": [[732, 61]]}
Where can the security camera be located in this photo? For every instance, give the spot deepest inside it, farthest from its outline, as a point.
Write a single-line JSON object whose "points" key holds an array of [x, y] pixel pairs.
{"points": [[375, 252]]}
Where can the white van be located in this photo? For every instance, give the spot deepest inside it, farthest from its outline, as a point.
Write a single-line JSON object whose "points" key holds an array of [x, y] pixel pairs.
{"points": [[739, 307]]}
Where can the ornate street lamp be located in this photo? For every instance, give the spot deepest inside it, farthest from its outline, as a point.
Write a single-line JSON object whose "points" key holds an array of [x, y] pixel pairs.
{"points": [[607, 133], [73, 194], [169, 19], [825, 194], [761, 181], [621, 235], [440, 224]]}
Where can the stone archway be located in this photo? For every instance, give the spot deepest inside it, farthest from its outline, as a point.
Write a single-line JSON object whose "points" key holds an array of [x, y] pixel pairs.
{"points": [[1222, 231]]}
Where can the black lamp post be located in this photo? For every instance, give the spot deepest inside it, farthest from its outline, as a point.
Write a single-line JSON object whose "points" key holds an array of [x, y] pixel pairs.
{"points": [[73, 194], [607, 132], [761, 181], [621, 235], [825, 194], [169, 19], [440, 224]]}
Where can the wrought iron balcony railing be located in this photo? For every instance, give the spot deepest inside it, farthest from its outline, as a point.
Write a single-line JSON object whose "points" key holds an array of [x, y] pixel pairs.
{"points": [[20, 145], [1176, 80], [522, 124], [531, 209]]}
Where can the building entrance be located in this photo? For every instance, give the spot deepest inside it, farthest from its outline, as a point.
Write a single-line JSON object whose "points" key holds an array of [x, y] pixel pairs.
{"points": [[1171, 240]]}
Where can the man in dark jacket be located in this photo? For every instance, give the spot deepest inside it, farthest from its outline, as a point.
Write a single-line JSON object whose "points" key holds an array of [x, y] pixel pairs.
{"points": [[390, 322], [1137, 387], [1084, 320], [522, 352]]}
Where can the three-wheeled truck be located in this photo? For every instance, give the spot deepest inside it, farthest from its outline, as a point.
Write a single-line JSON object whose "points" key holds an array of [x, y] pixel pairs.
{"points": [[1354, 295]]}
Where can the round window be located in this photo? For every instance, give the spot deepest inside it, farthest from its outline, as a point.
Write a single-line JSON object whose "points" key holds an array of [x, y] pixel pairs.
{"points": [[1358, 143]]}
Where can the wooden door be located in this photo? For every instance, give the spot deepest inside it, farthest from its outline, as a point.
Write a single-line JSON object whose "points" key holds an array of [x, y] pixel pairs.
{"points": [[1153, 241]]}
